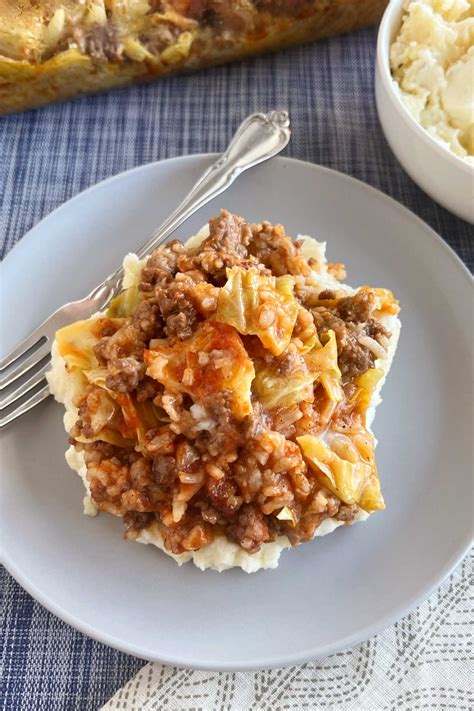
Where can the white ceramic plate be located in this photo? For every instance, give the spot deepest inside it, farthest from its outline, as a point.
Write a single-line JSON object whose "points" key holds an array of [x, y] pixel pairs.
{"points": [[325, 595]]}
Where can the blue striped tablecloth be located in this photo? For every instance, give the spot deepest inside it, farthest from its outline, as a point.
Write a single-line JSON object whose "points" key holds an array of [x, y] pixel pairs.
{"points": [[49, 155]]}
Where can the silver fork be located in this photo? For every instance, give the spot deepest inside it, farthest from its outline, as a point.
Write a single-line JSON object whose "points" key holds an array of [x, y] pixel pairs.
{"points": [[23, 370]]}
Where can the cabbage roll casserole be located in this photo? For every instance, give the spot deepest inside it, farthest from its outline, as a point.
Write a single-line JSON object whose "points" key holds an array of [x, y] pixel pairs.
{"points": [[51, 50]]}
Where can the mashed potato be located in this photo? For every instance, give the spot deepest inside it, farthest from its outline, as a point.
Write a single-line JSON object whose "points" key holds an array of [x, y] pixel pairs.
{"points": [[432, 61], [221, 554]]}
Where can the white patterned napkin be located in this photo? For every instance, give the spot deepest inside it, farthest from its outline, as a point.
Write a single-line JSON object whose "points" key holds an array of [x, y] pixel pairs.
{"points": [[423, 662]]}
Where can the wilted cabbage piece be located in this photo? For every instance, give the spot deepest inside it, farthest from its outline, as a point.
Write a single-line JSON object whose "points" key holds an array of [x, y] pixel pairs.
{"points": [[117, 418], [212, 361], [287, 514], [384, 301], [179, 50], [109, 435], [136, 417], [259, 305], [346, 466], [125, 304], [103, 412], [107, 422], [323, 362], [276, 389], [76, 342], [366, 386]]}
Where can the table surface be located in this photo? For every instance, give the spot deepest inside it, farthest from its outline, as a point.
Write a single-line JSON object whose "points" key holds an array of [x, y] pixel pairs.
{"points": [[51, 154]]}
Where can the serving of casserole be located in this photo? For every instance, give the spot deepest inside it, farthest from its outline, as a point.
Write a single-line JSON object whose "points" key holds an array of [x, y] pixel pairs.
{"points": [[222, 405]]}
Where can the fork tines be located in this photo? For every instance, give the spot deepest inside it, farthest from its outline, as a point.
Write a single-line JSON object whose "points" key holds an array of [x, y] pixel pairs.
{"points": [[22, 376]]}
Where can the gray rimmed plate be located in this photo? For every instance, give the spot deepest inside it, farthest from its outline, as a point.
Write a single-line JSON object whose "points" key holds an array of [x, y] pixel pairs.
{"points": [[325, 595]]}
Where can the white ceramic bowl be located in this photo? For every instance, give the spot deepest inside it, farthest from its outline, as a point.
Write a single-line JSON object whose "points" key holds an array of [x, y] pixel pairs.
{"points": [[446, 177]]}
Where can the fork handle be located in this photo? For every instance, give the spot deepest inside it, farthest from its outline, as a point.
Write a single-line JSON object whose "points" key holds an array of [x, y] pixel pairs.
{"points": [[258, 138]]}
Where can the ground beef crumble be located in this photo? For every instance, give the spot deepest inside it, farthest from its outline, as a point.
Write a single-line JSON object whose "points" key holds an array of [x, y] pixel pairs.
{"points": [[250, 529], [357, 308], [177, 309], [201, 473], [125, 374]]}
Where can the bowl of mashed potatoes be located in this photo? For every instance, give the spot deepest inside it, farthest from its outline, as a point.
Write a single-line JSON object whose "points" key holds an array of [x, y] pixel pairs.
{"points": [[425, 96]]}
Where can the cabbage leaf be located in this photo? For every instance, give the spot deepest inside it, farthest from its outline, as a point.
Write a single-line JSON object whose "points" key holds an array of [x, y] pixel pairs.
{"points": [[107, 420], [212, 361], [323, 363], [118, 418], [137, 417], [125, 304], [383, 299], [76, 342], [287, 514], [346, 467], [366, 385], [260, 305], [276, 389]]}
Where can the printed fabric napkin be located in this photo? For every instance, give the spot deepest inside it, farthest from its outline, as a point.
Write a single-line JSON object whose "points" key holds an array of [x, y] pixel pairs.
{"points": [[425, 661]]}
